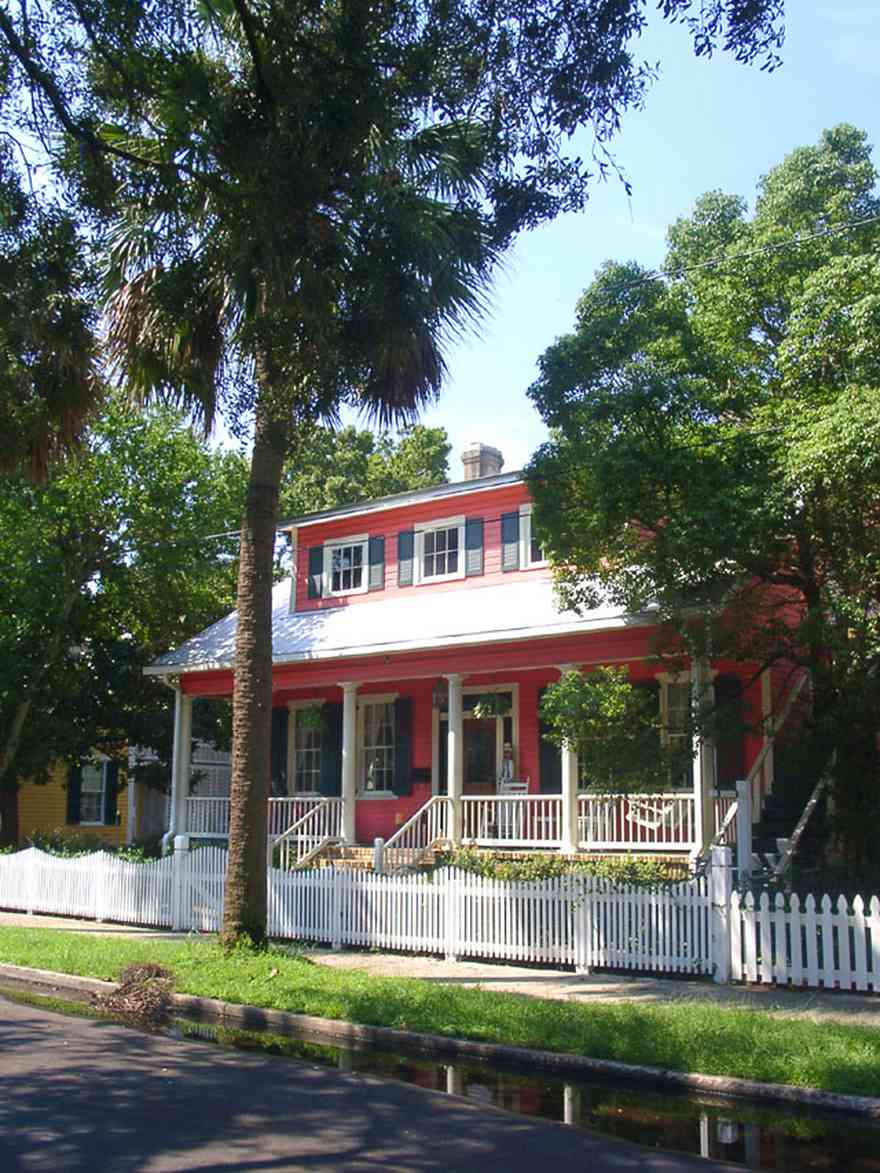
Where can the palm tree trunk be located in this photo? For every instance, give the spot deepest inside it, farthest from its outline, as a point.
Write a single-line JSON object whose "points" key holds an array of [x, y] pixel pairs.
{"points": [[244, 914]]}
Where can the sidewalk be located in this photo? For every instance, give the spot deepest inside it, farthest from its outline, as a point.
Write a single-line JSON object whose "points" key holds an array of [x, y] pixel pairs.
{"points": [[820, 1006]]}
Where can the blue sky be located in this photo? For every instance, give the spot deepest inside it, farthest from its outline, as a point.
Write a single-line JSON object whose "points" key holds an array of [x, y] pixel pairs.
{"points": [[706, 124]]}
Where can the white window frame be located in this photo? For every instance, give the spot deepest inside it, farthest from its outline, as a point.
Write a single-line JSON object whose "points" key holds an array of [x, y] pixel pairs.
{"points": [[386, 698], [332, 544], [426, 527], [293, 708], [525, 540], [99, 764]]}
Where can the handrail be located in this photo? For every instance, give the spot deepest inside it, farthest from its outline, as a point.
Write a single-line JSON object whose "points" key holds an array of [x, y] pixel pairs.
{"points": [[409, 854], [775, 725], [294, 833], [788, 855]]}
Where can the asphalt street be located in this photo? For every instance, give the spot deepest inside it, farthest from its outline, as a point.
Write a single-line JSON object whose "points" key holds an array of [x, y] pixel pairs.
{"points": [[77, 1094]]}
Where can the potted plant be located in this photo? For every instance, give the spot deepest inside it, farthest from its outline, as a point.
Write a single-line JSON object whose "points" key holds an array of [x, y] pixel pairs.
{"points": [[491, 704]]}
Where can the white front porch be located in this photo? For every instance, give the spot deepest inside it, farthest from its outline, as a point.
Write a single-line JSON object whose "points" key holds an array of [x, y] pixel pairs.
{"points": [[654, 823]]}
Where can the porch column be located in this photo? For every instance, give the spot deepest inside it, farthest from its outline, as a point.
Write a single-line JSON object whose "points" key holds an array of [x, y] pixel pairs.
{"points": [[702, 695], [569, 843], [349, 760], [455, 754], [570, 771], [181, 757]]}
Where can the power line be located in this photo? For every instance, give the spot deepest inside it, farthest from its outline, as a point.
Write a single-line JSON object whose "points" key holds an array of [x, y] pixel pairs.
{"points": [[762, 250]]}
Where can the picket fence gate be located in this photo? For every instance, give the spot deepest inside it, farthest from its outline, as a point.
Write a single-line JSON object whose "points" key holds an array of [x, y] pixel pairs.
{"points": [[699, 926]]}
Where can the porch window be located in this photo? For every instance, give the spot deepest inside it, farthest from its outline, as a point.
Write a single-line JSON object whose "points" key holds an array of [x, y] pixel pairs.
{"points": [[345, 566], [307, 738], [440, 550], [91, 801], [377, 746], [677, 713]]}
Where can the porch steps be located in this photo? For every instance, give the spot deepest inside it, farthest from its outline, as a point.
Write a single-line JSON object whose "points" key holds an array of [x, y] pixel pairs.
{"points": [[359, 859]]}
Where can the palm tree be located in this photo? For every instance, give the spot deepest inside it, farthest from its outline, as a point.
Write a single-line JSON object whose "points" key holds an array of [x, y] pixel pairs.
{"points": [[411, 260]]}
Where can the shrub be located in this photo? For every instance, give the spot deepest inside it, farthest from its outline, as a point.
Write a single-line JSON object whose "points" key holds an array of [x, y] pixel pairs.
{"points": [[624, 869]]}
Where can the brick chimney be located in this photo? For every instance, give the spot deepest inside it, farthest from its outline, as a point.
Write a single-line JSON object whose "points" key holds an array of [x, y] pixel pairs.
{"points": [[479, 460]]}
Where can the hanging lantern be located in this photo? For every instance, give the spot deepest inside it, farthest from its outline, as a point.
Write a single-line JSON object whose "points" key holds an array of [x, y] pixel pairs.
{"points": [[440, 695]]}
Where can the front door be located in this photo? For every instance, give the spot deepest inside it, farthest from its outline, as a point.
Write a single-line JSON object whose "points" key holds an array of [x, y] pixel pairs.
{"points": [[484, 739]]}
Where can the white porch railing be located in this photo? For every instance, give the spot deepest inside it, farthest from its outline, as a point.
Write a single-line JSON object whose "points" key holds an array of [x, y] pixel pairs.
{"points": [[321, 824], [431, 824], [636, 822], [208, 818], [512, 820]]}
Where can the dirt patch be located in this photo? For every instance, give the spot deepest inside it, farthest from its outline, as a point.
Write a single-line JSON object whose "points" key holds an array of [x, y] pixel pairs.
{"points": [[143, 996]]}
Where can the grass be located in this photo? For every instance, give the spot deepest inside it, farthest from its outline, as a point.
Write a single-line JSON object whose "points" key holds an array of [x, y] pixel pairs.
{"points": [[684, 1036]]}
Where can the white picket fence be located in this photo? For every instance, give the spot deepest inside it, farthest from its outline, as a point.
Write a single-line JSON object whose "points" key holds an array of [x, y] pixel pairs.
{"points": [[806, 943], [698, 926]]}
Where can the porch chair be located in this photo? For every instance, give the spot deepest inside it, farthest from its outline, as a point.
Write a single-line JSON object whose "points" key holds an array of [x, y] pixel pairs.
{"points": [[511, 819]]}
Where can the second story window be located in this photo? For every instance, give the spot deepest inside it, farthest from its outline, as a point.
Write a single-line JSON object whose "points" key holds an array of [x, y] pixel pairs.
{"points": [[345, 566], [440, 550]]}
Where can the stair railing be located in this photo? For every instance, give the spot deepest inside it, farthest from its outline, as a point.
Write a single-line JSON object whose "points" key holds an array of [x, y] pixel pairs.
{"points": [[309, 835], [743, 811], [410, 844], [787, 856]]}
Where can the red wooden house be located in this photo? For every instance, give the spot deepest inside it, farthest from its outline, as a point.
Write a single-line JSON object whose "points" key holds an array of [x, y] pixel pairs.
{"points": [[410, 648]]}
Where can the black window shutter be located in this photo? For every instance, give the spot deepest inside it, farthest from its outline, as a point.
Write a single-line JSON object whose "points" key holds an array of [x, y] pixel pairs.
{"points": [[510, 541], [331, 751], [74, 789], [549, 755], [316, 572], [377, 564], [473, 545], [278, 752], [730, 729], [405, 558], [111, 791], [403, 745]]}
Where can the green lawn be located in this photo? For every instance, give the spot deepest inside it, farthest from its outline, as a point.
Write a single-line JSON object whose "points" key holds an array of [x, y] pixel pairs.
{"points": [[685, 1036]]}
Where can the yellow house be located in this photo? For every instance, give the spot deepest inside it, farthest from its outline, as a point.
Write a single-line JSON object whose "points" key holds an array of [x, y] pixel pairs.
{"points": [[91, 800]]}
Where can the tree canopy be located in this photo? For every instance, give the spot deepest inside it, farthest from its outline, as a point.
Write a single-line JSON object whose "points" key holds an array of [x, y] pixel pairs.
{"points": [[715, 443], [296, 205]]}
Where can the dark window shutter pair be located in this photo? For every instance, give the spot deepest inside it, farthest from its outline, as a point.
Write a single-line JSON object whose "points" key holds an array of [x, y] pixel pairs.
{"points": [[278, 752], [510, 541], [549, 755], [376, 571], [331, 752], [111, 792], [403, 745]]}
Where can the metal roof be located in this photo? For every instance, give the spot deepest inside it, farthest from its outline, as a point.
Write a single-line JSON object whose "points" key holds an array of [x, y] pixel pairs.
{"points": [[414, 620], [410, 497]]}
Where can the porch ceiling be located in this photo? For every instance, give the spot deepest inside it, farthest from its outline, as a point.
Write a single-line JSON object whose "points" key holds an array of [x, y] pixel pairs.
{"points": [[422, 620]]}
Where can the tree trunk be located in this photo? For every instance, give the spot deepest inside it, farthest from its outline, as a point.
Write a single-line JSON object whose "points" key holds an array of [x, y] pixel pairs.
{"points": [[244, 915], [8, 815]]}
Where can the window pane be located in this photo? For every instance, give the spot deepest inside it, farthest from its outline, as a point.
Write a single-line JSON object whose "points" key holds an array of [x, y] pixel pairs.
{"points": [[91, 801], [452, 562], [307, 769], [378, 748]]}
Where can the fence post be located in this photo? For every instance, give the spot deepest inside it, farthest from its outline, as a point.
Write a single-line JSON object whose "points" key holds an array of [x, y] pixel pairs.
{"points": [[451, 914], [100, 906], [720, 892], [580, 895], [180, 886], [378, 852], [743, 830], [338, 880]]}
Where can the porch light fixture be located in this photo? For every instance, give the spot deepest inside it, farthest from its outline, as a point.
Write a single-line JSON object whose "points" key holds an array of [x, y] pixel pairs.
{"points": [[440, 694]]}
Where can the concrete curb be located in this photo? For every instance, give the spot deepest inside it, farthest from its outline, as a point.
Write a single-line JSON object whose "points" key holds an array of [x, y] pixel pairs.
{"points": [[333, 1031]]}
